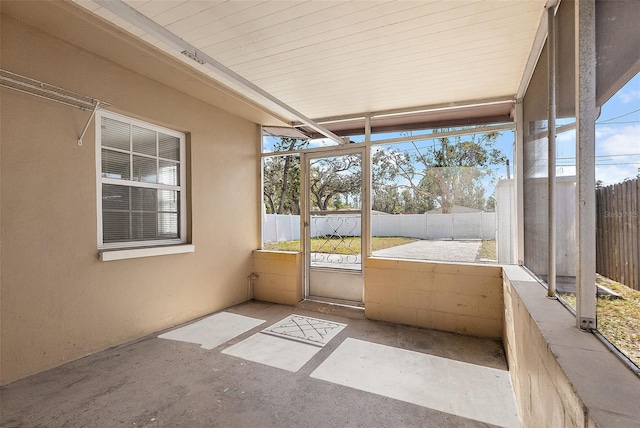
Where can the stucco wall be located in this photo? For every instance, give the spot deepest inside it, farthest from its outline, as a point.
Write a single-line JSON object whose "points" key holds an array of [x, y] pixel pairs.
{"points": [[59, 302], [464, 299]]}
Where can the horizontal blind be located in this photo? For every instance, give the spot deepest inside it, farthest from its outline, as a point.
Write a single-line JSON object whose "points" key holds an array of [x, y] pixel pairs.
{"points": [[140, 169]]}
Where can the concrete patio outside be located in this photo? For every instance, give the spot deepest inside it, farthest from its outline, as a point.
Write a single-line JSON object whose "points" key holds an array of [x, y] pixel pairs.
{"points": [[445, 250]]}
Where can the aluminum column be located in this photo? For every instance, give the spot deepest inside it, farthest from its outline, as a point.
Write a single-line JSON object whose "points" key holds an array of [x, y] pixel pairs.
{"points": [[586, 114], [551, 154]]}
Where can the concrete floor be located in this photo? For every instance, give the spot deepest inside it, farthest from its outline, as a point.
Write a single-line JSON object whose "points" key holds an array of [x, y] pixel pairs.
{"points": [[166, 383]]}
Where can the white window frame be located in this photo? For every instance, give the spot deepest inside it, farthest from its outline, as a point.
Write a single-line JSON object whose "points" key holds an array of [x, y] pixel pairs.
{"points": [[100, 180]]}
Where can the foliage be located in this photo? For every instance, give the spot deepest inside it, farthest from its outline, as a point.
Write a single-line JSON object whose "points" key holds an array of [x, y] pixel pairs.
{"points": [[332, 179], [281, 186], [450, 172], [446, 174]]}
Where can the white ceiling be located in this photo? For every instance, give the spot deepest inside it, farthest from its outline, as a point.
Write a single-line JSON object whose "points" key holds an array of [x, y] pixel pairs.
{"points": [[348, 58]]}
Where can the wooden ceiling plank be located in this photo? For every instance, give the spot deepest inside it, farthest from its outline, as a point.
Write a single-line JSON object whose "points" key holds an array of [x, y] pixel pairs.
{"points": [[236, 22], [297, 23], [367, 55], [208, 17], [350, 65], [313, 36], [183, 12], [154, 8], [411, 38]]}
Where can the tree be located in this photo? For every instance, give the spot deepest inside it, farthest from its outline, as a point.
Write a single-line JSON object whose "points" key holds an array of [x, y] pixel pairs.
{"points": [[334, 182], [281, 187], [448, 173], [385, 195], [490, 205], [334, 178], [386, 198]]}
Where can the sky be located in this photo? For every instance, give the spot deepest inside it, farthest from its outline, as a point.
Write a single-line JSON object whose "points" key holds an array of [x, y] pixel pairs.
{"points": [[617, 138]]}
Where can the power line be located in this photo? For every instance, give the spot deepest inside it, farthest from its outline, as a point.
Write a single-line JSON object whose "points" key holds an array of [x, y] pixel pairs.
{"points": [[618, 117], [607, 164], [603, 156]]}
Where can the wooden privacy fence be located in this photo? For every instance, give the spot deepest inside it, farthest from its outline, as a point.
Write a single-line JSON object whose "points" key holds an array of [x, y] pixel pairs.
{"points": [[618, 232]]}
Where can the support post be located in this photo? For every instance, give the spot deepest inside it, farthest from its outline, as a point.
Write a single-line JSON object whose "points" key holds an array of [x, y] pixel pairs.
{"points": [[305, 220], [367, 129], [366, 203], [551, 154], [519, 187], [586, 113]]}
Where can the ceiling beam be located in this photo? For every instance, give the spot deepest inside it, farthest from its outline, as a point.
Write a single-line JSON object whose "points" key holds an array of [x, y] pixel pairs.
{"points": [[221, 72], [419, 109]]}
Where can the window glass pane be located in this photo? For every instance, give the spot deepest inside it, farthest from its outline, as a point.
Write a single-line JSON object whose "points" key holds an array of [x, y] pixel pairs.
{"points": [[169, 173], [143, 140], [144, 169], [115, 134], [143, 199], [115, 226], [137, 153], [168, 201], [167, 225], [115, 165], [143, 226], [115, 197], [169, 147]]}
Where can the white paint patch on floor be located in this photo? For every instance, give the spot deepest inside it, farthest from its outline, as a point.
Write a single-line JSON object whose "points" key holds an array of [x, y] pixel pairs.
{"points": [[213, 331], [476, 392], [307, 330], [274, 351]]}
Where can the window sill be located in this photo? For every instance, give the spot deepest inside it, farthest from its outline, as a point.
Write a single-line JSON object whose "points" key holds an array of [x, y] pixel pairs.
{"points": [[132, 253]]}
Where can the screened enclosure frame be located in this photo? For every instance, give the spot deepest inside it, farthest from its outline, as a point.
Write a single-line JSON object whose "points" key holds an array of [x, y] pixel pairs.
{"points": [[578, 69]]}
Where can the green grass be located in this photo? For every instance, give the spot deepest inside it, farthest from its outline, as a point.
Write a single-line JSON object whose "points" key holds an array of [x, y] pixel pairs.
{"points": [[348, 246], [618, 319]]}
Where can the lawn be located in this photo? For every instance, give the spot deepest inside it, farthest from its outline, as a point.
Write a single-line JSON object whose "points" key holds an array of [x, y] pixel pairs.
{"points": [[487, 250], [618, 318], [348, 246]]}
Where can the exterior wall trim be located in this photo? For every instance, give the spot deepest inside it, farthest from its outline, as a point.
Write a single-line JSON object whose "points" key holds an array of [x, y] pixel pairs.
{"points": [[132, 253]]}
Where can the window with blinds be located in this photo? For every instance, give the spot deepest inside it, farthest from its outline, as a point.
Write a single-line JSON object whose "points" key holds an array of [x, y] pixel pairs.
{"points": [[141, 179]]}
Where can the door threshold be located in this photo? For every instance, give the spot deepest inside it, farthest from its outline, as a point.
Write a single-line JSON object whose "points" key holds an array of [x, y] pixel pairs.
{"points": [[336, 302], [354, 270], [341, 308]]}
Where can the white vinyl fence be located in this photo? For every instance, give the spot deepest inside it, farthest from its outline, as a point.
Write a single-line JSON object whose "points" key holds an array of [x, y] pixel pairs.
{"points": [[481, 225]]}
